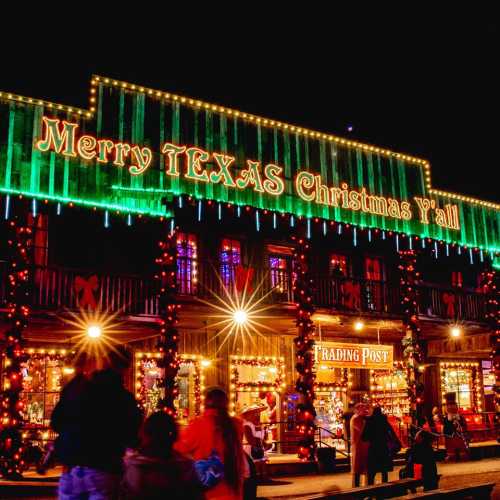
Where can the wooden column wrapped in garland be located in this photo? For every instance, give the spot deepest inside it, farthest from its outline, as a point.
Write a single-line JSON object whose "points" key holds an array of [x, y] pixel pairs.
{"points": [[168, 312], [19, 239], [490, 285], [412, 348], [304, 343]]}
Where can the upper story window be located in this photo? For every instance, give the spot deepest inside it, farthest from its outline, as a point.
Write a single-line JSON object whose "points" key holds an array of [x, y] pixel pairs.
{"points": [[187, 269], [230, 258], [280, 263], [374, 269], [339, 265]]}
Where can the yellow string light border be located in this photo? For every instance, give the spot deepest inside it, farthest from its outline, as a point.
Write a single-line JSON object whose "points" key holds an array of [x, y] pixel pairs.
{"points": [[260, 361]]}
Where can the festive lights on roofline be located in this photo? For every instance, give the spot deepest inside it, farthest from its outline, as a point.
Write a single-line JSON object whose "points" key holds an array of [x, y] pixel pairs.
{"points": [[199, 104]]}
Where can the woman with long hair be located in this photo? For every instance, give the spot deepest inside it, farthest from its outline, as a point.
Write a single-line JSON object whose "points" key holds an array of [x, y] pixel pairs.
{"points": [[157, 471], [216, 431]]}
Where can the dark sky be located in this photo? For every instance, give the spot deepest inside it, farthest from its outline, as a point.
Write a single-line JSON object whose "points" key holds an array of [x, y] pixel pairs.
{"points": [[421, 83]]}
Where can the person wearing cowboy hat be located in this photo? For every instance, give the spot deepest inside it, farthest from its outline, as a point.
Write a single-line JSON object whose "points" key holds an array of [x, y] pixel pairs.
{"points": [[253, 437]]}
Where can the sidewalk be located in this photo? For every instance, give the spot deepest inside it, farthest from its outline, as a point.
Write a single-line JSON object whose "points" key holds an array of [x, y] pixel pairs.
{"points": [[453, 475]]}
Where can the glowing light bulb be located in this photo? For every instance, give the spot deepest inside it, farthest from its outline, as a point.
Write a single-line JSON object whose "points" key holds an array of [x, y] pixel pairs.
{"points": [[455, 331], [359, 325], [94, 331], [240, 316]]}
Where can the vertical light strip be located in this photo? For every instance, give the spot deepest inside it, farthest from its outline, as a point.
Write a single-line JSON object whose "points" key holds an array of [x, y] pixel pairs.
{"points": [[447, 249], [58, 210], [257, 220], [471, 256], [180, 201], [355, 236], [33, 207], [106, 219], [481, 256], [199, 210], [7, 207], [423, 242], [238, 211], [436, 253], [324, 227], [370, 235], [172, 225], [383, 235], [308, 228], [274, 221], [410, 243], [292, 221], [459, 250], [397, 242], [129, 220], [339, 229], [219, 211]]}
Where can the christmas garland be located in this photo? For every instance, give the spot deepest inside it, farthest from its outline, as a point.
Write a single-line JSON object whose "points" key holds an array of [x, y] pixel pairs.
{"points": [[304, 342], [19, 239], [490, 284], [169, 336], [412, 348]]}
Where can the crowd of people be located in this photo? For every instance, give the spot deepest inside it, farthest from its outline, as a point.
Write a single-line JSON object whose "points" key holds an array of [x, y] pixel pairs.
{"points": [[374, 444], [108, 451]]}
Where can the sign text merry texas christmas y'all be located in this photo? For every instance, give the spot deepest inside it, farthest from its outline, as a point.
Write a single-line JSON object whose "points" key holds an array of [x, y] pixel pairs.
{"points": [[198, 165]]}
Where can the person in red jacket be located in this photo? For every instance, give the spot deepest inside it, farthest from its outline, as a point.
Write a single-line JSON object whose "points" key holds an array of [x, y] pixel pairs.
{"points": [[216, 431]]}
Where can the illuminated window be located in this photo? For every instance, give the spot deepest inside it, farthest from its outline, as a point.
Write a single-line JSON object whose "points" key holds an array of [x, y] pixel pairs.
{"points": [[230, 257], [373, 287], [42, 383], [457, 279], [280, 273], [339, 265], [459, 381], [187, 269]]}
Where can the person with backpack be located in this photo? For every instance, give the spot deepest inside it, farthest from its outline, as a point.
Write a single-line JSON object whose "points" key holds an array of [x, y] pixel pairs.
{"points": [[214, 441], [155, 470]]}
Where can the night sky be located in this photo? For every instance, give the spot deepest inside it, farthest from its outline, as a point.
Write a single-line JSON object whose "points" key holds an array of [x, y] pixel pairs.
{"points": [[426, 85]]}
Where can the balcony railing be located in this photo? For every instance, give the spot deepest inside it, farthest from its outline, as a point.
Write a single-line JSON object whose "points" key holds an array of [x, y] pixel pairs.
{"points": [[58, 288]]}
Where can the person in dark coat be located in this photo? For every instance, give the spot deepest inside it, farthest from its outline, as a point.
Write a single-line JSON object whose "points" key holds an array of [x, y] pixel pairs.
{"points": [[156, 470], [378, 432], [423, 454], [96, 421]]}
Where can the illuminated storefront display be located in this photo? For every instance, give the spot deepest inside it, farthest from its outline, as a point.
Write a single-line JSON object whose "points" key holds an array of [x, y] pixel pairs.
{"points": [[331, 402], [389, 389], [258, 380], [462, 379], [190, 382]]}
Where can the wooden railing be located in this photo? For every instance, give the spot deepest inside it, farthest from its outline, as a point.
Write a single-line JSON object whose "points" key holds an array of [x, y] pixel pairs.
{"points": [[56, 288]]}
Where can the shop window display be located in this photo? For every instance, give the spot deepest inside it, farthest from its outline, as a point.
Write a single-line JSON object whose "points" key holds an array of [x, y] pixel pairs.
{"points": [[331, 403], [259, 381], [389, 389], [189, 380], [462, 379], [44, 375]]}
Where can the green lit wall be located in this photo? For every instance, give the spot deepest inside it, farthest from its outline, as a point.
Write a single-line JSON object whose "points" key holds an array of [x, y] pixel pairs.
{"points": [[135, 117]]}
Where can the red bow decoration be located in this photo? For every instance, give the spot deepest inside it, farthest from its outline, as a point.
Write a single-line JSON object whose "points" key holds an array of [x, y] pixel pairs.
{"points": [[243, 278], [351, 293], [87, 289], [449, 300]]}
